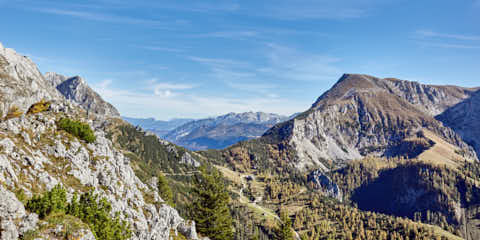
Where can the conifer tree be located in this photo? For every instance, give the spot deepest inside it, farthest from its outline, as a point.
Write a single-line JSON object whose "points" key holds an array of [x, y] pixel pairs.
{"points": [[284, 230], [210, 207], [164, 190]]}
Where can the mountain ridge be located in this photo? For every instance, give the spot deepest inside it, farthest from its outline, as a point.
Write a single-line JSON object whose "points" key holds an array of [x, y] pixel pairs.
{"points": [[223, 131], [77, 90]]}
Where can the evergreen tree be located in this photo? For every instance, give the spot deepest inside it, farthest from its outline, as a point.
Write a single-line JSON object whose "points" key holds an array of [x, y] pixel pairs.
{"points": [[165, 191], [210, 207], [284, 231]]}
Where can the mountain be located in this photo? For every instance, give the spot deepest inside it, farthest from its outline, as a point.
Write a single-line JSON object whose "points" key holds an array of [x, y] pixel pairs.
{"points": [[382, 146], [363, 115], [44, 148], [223, 131], [158, 127], [77, 90]]}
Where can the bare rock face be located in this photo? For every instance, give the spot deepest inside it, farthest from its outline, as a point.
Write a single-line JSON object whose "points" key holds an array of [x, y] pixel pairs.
{"points": [[323, 183], [464, 119], [77, 90], [21, 83], [362, 115]]}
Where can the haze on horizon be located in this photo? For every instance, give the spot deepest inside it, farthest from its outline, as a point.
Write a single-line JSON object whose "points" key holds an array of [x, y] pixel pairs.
{"points": [[183, 59]]}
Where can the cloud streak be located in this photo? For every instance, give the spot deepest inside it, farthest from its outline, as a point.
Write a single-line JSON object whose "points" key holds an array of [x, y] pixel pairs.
{"points": [[432, 34], [103, 17], [163, 106]]}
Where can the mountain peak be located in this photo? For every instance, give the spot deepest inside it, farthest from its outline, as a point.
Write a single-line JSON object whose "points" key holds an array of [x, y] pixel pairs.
{"points": [[77, 90]]}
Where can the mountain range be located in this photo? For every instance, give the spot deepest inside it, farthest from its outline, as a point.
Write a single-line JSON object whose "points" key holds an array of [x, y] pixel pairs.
{"points": [[211, 133], [372, 158]]}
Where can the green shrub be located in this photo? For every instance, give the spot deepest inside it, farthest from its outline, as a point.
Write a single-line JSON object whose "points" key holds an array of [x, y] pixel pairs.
{"points": [[96, 213], [91, 210], [54, 200], [78, 129]]}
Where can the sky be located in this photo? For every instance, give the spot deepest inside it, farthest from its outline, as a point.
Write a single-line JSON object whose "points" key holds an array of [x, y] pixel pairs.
{"points": [[194, 59]]}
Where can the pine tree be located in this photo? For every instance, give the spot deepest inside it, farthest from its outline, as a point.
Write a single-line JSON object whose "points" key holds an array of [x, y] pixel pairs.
{"points": [[284, 231], [164, 190], [210, 207]]}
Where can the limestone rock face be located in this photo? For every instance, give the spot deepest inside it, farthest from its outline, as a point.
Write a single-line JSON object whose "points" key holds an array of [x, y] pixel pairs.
{"points": [[21, 83], [77, 90], [363, 115], [464, 119], [323, 183]]}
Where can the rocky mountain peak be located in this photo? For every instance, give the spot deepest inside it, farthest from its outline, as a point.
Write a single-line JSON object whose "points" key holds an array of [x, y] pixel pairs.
{"points": [[77, 90], [21, 83], [54, 79], [364, 115]]}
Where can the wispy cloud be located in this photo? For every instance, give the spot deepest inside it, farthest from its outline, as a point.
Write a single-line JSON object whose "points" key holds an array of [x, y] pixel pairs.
{"points": [[162, 106], [289, 63], [104, 17], [449, 45], [428, 38], [161, 49], [218, 62], [229, 34], [432, 34]]}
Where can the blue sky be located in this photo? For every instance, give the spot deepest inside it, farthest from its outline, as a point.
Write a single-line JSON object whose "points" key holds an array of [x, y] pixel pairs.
{"points": [[179, 58]]}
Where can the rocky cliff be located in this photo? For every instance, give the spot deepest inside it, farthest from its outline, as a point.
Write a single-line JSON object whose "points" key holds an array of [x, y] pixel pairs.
{"points": [[22, 83], [77, 90], [36, 155], [464, 119]]}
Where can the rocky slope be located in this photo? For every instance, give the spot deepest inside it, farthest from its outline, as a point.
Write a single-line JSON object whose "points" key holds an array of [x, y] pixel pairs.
{"points": [[35, 155], [363, 115], [77, 90], [223, 131], [464, 118], [158, 127], [22, 83]]}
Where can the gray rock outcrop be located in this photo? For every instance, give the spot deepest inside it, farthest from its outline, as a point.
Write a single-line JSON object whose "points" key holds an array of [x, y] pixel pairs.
{"points": [[77, 90], [324, 184]]}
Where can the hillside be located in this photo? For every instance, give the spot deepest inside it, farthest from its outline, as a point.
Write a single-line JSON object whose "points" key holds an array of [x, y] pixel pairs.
{"points": [[53, 149]]}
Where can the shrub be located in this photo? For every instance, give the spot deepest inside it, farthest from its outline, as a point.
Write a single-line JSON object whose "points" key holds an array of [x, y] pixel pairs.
{"points": [[78, 129], [14, 112], [96, 213], [41, 106], [54, 200], [92, 211]]}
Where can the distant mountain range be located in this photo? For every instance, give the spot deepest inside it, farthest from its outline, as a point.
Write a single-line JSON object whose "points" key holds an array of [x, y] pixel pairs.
{"points": [[158, 127], [211, 133]]}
